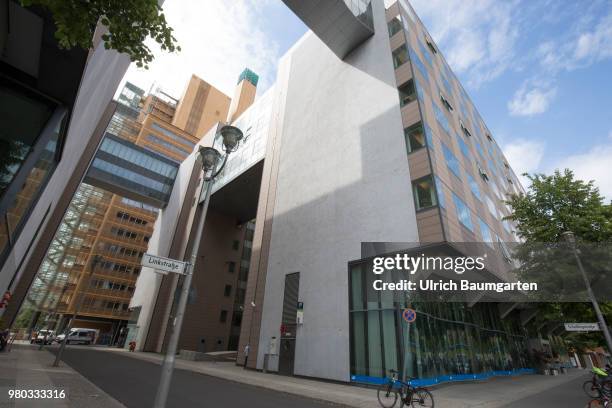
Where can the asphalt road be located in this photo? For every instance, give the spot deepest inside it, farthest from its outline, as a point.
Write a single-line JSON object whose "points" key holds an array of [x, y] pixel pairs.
{"points": [[568, 395], [133, 382]]}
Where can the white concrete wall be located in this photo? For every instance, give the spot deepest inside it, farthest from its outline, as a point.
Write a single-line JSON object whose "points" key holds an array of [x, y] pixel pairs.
{"points": [[343, 179], [102, 75], [148, 283]]}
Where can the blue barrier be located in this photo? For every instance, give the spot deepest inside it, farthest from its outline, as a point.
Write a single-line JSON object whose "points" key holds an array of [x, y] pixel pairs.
{"points": [[427, 382]]}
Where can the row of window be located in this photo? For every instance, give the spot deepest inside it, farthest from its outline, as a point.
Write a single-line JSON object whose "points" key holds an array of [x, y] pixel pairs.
{"points": [[132, 155], [428, 192], [130, 218], [110, 285], [189, 144], [120, 232], [122, 251], [119, 267], [131, 175], [167, 145]]}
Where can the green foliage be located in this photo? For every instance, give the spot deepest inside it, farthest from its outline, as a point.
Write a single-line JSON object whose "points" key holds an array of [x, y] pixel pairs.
{"points": [[558, 203], [555, 204], [129, 23]]}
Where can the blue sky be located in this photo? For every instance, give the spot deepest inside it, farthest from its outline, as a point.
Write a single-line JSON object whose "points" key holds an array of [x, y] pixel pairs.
{"points": [[539, 71]]}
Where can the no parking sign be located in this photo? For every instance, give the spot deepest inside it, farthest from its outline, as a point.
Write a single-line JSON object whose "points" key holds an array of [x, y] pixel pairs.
{"points": [[409, 315]]}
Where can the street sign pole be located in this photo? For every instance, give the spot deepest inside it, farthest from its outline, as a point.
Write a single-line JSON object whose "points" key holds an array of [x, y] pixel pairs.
{"points": [[600, 317], [168, 365]]}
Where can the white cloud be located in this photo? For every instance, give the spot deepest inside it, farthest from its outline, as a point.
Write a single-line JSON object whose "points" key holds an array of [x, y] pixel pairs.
{"points": [[478, 37], [218, 40], [592, 165], [588, 42], [531, 100], [524, 156]]}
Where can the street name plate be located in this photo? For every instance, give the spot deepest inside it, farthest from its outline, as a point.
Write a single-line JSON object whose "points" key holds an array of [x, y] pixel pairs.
{"points": [[163, 265], [582, 327]]}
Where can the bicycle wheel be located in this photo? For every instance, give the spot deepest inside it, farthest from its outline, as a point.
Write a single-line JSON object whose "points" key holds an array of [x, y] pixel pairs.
{"points": [[387, 396], [596, 403], [591, 389], [422, 398]]}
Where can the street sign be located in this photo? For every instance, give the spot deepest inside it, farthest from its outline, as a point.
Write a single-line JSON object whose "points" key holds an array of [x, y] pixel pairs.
{"points": [[409, 315], [163, 265], [582, 327]]}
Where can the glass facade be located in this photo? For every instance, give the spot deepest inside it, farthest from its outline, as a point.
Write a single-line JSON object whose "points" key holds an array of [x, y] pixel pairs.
{"points": [[447, 341], [463, 213], [31, 134]]}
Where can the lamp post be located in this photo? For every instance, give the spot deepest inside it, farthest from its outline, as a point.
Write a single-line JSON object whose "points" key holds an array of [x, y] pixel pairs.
{"points": [[570, 238], [209, 159]]}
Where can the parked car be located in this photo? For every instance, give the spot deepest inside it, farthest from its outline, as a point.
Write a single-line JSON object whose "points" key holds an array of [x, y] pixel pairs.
{"points": [[39, 336], [79, 336]]}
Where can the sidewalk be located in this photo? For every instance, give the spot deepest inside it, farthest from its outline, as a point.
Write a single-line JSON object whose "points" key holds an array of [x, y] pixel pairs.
{"points": [[27, 368], [497, 392]]}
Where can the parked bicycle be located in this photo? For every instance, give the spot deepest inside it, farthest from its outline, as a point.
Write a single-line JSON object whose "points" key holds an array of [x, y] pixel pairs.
{"points": [[394, 389]]}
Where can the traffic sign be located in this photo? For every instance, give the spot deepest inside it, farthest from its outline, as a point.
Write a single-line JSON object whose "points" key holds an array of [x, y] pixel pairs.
{"points": [[409, 315], [163, 265], [582, 327]]}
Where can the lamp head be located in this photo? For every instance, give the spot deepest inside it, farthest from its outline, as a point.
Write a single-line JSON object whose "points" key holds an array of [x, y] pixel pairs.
{"points": [[231, 137], [569, 237], [210, 157]]}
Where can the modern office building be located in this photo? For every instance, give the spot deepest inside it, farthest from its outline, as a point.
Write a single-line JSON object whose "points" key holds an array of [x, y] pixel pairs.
{"points": [[51, 102], [94, 259], [369, 137]]}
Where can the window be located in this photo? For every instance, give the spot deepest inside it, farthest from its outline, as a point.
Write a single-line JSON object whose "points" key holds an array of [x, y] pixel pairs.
{"points": [[451, 161], [474, 187], [431, 46], [440, 191], [464, 147], [479, 148], [463, 213], [223, 316], [485, 232], [394, 26], [424, 193], [447, 85], [419, 64], [415, 137], [235, 245], [491, 206], [441, 118], [426, 53], [407, 93], [227, 291], [445, 102], [231, 267], [504, 250], [400, 56], [465, 130], [483, 174]]}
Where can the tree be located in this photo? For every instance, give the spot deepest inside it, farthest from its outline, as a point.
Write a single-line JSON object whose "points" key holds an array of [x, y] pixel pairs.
{"points": [[129, 23], [555, 204], [558, 203]]}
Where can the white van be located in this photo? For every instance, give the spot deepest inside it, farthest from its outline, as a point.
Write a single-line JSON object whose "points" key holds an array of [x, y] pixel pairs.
{"points": [[82, 336]]}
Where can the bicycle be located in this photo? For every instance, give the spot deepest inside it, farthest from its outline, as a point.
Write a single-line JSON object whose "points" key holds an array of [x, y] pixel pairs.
{"points": [[409, 395], [593, 387], [601, 389]]}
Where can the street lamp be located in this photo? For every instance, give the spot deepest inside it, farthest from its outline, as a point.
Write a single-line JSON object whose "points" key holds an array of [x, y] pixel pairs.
{"points": [[570, 238], [209, 158]]}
